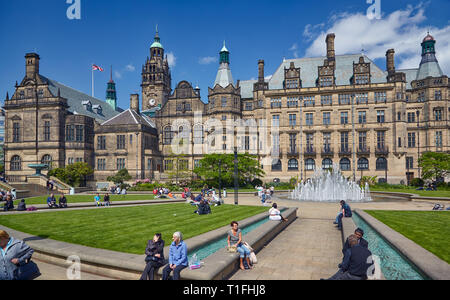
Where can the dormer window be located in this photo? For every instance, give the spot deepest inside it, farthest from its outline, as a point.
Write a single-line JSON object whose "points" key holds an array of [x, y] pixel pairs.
{"points": [[326, 81], [22, 95], [87, 105], [40, 93], [292, 77], [97, 109], [361, 72]]}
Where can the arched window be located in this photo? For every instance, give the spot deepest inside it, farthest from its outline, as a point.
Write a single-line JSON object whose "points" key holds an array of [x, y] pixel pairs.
{"points": [[344, 164], [198, 134], [276, 165], [327, 164], [16, 163], [47, 159], [381, 163], [168, 135], [293, 165], [363, 164], [310, 164]]}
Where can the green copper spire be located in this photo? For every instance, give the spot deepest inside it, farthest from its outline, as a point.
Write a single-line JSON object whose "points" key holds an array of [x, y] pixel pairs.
{"points": [[224, 55], [111, 94], [157, 42]]}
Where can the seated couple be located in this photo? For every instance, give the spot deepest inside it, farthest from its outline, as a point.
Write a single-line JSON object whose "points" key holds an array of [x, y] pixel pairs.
{"points": [[155, 257]]}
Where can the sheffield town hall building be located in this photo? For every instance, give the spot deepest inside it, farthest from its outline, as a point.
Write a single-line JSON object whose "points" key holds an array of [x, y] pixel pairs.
{"points": [[337, 109]]}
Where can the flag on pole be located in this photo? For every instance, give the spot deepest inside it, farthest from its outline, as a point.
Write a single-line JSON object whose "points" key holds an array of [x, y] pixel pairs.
{"points": [[96, 68]]}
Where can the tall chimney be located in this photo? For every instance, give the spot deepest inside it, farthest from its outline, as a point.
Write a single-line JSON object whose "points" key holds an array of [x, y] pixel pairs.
{"points": [[134, 102], [330, 47], [390, 64], [32, 64], [261, 70]]}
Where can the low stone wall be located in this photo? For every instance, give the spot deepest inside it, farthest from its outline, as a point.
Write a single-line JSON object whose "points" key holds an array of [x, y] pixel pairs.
{"points": [[126, 266], [428, 263]]}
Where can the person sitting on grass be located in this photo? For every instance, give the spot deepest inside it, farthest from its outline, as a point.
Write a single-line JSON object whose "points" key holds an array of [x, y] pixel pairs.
{"points": [[177, 257], [22, 206], [346, 211], [235, 241], [51, 201], [9, 204], [203, 208], [356, 262], [359, 233], [97, 200], [155, 257], [106, 200], [275, 214], [62, 201]]}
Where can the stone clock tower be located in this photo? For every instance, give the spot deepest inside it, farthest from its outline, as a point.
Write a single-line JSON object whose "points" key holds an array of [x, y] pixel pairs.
{"points": [[156, 78]]}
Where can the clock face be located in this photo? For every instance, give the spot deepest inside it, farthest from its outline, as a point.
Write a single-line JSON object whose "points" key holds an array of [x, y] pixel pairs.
{"points": [[152, 102]]}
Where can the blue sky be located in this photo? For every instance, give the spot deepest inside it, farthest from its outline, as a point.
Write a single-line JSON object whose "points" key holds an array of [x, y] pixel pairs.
{"points": [[119, 33]]}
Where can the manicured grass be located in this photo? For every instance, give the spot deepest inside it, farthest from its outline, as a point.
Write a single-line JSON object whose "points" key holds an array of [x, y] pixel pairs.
{"points": [[86, 198], [126, 229], [429, 229], [438, 193]]}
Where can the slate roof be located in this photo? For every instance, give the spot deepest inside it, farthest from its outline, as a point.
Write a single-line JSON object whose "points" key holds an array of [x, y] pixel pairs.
{"points": [[75, 100], [427, 69], [224, 77], [411, 74], [128, 117], [309, 72]]}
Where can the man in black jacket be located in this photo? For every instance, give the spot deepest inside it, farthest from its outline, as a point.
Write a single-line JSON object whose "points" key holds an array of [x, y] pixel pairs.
{"points": [[356, 263], [361, 241]]}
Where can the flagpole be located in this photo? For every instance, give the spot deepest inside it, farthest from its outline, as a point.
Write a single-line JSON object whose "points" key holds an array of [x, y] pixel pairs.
{"points": [[92, 70]]}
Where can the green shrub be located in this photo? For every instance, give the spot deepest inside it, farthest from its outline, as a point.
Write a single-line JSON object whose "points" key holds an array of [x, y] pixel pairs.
{"points": [[417, 182]]}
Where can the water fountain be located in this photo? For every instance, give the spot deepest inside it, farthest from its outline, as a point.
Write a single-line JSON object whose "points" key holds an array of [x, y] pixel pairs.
{"points": [[330, 186]]}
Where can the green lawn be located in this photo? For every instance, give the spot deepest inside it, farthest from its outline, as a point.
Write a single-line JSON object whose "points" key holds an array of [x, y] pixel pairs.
{"points": [[438, 193], [86, 198], [126, 229], [429, 229]]}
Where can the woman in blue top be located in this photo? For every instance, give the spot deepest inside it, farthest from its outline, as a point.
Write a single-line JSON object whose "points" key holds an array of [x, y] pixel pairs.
{"points": [[177, 257]]}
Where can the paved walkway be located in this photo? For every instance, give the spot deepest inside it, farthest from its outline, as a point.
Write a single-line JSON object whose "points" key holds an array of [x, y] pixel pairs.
{"points": [[53, 272], [310, 248]]}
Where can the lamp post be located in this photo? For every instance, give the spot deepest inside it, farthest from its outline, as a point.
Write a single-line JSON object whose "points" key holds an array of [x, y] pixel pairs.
{"points": [[353, 139], [137, 155], [418, 142], [236, 180], [220, 180], [301, 138]]}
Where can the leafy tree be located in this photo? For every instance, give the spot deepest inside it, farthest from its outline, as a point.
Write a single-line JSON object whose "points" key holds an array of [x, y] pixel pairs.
{"points": [[73, 174], [180, 170], [248, 167], [435, 165], [76, 173], [120, 177]]}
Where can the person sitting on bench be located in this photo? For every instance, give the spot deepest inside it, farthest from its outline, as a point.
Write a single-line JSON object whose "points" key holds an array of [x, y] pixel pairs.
{"points": [[62, 201]]}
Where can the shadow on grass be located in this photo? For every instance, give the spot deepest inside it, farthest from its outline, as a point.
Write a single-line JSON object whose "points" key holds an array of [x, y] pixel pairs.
{"points": [[36, 238]]}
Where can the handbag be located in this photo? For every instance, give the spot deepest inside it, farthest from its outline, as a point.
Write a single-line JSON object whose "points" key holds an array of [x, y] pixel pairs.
{"points": [[252, 257], [150, 258], [28, 271], [232, 249]]}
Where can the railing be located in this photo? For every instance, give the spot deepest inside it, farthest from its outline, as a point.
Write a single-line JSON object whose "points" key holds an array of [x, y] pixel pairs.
{"points": [[345, 151], [383, 150], [310, 150], [327, 150], [363, 150], [293, 152]]}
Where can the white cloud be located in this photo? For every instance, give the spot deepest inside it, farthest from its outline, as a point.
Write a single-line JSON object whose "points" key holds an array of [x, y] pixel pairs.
{"points": [[118, 74], [402, 30], [130, 68], [207, 60], [294, 50], [171, 59]]}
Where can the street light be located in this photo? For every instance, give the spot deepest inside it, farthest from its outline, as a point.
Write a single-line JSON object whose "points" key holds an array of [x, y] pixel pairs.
{"points": [[418, 142], [220, 180], [137, 153], [353, 139], [236, 181]]}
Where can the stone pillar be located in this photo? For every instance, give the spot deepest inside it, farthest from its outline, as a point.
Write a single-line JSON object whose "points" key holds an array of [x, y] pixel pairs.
{"points": [[390, 64], [261, 70], [330, 47], [134, 102]]}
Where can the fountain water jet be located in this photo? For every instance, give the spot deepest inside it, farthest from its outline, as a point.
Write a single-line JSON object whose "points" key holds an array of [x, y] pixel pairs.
{"points": [[330, 186]]}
